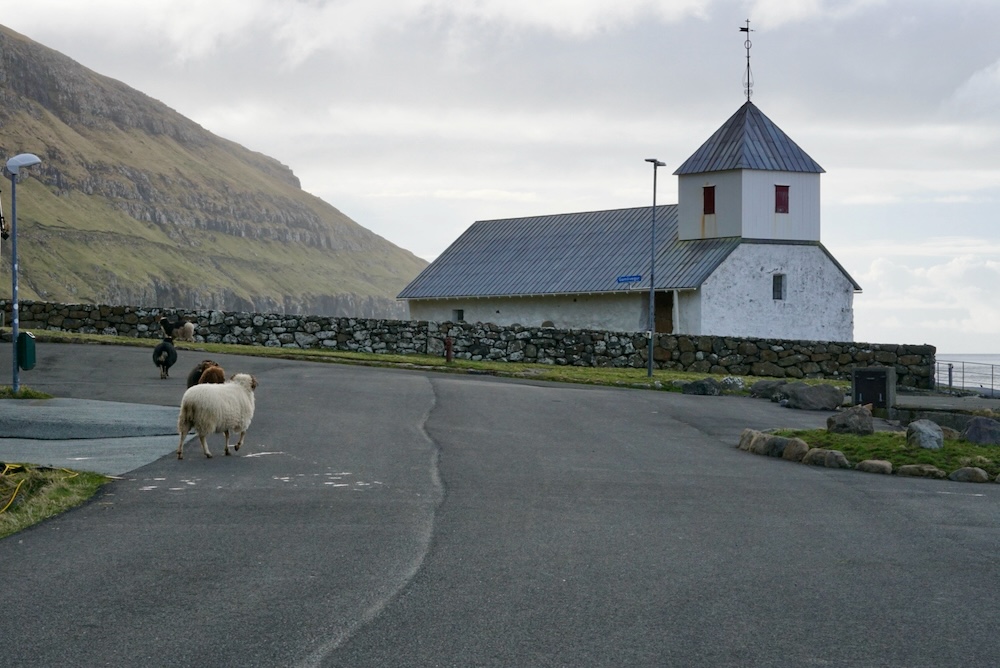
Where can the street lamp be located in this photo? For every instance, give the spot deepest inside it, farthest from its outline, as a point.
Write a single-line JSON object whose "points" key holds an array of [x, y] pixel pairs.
{"points": [[13, 170], [652, 266]]}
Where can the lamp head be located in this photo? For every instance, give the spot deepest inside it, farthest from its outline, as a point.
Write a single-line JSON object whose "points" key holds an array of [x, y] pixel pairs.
{"points": [[15, 164], [656, 163]]}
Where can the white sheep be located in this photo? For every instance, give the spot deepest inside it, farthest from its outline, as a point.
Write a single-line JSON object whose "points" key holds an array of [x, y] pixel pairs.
{"points": [[214, 408], [185, 331]]}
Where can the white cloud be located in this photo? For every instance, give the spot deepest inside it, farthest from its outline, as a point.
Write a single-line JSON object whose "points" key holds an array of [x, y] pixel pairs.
{"points": [[978, 95], [192, 29], [949, 301], [773, 13], [575, 18], [294, 31], [418, 117], [889, 186], [934, 247], [456, 124]]}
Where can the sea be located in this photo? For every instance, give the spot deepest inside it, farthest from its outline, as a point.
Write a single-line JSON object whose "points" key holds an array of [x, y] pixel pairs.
{"points": [[969, 371]]}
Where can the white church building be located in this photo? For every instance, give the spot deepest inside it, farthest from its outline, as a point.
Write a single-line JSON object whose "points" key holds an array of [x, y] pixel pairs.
{"points": [[738, 255]]}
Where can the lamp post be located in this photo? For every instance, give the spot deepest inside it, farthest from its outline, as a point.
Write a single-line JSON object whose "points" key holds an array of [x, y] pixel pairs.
{"points": [[652, 276], [13, 169]]}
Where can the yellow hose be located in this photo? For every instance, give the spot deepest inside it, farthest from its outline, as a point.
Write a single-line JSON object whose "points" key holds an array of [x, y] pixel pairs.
{"points": [[13, 496]]}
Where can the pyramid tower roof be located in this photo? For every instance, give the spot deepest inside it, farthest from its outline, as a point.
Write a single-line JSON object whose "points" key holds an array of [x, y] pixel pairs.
{"points": [[749, 140]]}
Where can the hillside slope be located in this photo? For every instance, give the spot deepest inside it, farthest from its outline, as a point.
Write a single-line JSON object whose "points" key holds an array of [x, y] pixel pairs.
{"points": [[135, 204]]}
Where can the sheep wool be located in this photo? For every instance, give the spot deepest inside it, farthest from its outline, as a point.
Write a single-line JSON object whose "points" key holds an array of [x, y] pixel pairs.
{"points": [[213, 374], [185, 332], [165, 356], [194, 377], [215, 408]]}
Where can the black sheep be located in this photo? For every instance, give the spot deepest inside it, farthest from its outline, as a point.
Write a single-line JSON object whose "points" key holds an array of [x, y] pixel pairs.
{"points": [[169, 327], [164, 356]]}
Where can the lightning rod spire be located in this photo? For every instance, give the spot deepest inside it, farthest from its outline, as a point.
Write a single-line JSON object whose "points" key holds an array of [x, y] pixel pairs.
{"points": [[748, 76]]}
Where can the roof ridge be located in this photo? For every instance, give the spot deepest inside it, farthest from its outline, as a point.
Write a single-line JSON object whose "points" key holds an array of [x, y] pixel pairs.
{"points": [[749, 140], [576, 213], [568, 253]]}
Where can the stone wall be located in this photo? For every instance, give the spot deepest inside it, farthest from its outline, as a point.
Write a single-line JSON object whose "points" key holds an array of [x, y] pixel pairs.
{"points": [[780, 358]]}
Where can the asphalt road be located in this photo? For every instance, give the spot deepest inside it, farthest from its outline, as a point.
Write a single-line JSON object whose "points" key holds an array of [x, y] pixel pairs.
{"points": [[396, 518]]}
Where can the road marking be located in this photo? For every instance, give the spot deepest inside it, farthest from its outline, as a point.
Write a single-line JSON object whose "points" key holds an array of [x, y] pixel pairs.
{"points": [[960, 494]]}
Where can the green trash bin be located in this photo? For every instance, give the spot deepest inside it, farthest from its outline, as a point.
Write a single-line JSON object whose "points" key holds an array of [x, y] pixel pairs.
{"points": [[26, 350]]}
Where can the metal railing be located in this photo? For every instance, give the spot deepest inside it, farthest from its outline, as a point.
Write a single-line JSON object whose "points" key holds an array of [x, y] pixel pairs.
{"points": [[971, 376]]}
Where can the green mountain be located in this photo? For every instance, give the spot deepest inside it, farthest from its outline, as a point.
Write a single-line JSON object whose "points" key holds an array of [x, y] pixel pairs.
{"points": [[135, 204]]}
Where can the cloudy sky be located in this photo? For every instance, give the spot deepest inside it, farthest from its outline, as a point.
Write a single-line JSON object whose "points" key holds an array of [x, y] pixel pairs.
{"points": [[418, 117]]}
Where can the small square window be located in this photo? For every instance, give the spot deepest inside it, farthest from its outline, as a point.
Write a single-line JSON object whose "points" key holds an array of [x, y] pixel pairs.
{"points": [[778, 286], [708, 197], [781, 199], [457, 315]]}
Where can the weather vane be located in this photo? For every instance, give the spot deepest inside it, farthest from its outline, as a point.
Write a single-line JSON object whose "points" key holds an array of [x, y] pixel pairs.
{"points": [[748, 77]]}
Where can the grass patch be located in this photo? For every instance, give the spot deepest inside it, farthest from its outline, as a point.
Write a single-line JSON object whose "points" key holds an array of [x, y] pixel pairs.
{"points": [[23, 392], [30, 494], [892, 447]]}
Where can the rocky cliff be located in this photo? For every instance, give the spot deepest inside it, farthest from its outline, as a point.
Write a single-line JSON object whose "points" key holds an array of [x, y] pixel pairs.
{"points": [[135, 204]]}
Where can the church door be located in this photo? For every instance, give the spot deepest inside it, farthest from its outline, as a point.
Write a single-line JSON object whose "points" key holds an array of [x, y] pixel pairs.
{"points": [[664, 312]]}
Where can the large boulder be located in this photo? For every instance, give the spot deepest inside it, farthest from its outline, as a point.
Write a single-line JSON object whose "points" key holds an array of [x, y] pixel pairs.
{"points": [[746, 437], [875, 466], [761, 443], [732, 384], [853, 420], [831, 459], [950, 434], [795, 450], [957, 421], [706, 386], [777, 445], [813, 397], [921, 471], [924, 434], [766, 388], [969, 474], [982, 431]]}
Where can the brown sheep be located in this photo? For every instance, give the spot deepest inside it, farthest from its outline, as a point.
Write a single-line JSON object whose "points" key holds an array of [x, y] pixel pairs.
{"points": [[198, 370], [213, 374]]}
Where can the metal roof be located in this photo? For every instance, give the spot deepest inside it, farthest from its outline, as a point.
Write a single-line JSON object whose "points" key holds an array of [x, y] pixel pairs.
{"points": [[749, 140], [570, 253]]}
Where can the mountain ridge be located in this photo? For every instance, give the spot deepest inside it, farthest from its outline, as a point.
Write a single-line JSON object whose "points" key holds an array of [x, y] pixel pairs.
{"points": [[136, 204]]}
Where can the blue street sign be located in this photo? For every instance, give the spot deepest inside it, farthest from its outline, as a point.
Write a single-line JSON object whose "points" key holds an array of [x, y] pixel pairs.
{"points": [[629, 279]]}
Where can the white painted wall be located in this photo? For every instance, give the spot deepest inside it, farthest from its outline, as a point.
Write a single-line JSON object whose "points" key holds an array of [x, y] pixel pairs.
{"points": [[691, 222], [618, 312], [737, 300], [801, 223], [744, 205], [688, 312]]}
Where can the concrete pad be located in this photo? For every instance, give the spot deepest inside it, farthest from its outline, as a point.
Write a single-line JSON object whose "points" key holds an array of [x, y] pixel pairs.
{"points": [[110, 456], [106, 437]]}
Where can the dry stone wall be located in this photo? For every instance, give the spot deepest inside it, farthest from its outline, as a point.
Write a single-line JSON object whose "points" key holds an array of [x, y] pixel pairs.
{"points": [[779, 358]]}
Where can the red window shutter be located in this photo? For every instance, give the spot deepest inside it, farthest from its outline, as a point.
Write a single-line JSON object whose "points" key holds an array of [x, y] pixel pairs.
{"points": [[708, 193], [781, 199]]}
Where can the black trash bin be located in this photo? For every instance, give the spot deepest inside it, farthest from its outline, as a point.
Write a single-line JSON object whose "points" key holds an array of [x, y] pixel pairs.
{"points": [[875, 385]]}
